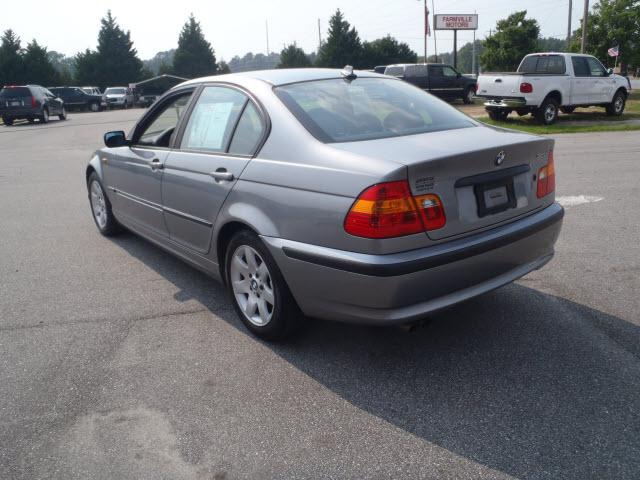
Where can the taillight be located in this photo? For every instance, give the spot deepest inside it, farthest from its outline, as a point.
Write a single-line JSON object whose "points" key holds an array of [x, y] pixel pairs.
{"points": [[389, 210], [547, 177], [33, 102], [526, 87]]}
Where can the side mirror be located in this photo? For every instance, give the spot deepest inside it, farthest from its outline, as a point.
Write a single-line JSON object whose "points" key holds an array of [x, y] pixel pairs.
{"points": [[115, 139], [609, 71]]}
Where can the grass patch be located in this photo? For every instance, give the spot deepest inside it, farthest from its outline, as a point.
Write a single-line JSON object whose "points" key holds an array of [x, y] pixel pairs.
{"points": [[527, 125]]}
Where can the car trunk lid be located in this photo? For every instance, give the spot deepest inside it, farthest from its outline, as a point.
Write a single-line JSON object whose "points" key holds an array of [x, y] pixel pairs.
{"points": [[483, 176]]}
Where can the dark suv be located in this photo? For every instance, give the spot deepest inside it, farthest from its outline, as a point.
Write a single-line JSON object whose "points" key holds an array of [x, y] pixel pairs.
{"points": [[436, 78], [76, 97], [29, 102]]}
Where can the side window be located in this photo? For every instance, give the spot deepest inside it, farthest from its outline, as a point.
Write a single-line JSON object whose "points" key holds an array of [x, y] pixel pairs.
{"points": [[421, 70], [212, 121], [158, 133], [435, 71], [410, 70], [449, 72], [595, 68], [248, 132], [580, 66]]}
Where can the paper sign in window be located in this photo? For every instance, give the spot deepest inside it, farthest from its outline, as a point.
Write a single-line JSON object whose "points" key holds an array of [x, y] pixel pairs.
{"points": [[208, 125]]}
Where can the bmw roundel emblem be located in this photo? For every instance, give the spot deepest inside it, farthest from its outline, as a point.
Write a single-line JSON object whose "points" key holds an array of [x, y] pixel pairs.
{"points": [[500, 157]]}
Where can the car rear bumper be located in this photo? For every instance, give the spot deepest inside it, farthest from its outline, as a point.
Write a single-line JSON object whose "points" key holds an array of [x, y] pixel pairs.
{"points": [[26, 112], [402, 287], [506, 103]]}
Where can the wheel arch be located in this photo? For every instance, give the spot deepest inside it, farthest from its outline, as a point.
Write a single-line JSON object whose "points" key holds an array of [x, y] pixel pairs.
{"points": [[556, 95], [223, 237], [94, 166]]}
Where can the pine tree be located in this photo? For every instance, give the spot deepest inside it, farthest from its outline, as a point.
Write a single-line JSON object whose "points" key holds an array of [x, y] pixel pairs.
{"points": [[293, 56], [194, 56], [37, 66], [11, 64], [342, 47], [116, 61]]}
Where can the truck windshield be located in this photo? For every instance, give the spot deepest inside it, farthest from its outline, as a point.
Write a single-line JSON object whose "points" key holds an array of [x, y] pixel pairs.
{"points": [[552, 64], [367, 108]]}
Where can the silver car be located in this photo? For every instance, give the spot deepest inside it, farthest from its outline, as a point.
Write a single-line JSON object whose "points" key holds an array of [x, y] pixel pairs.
{"points": [[341, 195]]}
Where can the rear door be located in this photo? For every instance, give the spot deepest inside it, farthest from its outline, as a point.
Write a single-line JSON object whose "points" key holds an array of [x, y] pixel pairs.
{"points": [[134, 173], [221, 135]]}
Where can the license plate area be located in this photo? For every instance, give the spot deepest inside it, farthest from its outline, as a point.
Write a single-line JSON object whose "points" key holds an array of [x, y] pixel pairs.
{"points": [[495, 197]]}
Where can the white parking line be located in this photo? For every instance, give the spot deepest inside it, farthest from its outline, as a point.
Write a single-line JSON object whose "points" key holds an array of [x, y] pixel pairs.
{"points": [[573, 200]]}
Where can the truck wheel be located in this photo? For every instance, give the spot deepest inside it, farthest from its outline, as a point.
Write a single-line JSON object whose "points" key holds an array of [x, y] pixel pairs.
{"points": [[548, 111], [567, 110], [467, 97], [498, 114], [616, 107], [94, 106]]}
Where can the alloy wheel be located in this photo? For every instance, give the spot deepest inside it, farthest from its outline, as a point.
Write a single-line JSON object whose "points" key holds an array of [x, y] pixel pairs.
{"points": [[98, 204], [252, 285]]}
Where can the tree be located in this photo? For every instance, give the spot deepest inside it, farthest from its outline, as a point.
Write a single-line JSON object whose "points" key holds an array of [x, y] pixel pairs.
{"points": [[612, 23], [64, 67], [515, 37], [223, 68], [37, 67], [86, 68], [342, 47], [194, 56], [293, 56], [11, 64], [385, 51], [116, 62]]}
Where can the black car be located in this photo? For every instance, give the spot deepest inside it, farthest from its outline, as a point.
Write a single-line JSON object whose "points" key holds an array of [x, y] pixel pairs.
{"points": [[436, 78], [76, 97], [29, 102]]}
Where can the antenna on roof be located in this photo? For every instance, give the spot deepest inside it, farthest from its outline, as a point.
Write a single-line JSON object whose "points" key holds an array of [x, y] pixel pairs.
{"points": [[347, 73]]}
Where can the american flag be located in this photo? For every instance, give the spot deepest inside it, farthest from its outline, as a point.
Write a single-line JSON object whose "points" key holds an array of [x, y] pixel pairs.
{"points": [[614, 51]]}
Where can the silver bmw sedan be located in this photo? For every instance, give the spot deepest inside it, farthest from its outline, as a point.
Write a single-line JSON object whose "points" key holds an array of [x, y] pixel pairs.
{"points": [[336, 194]]}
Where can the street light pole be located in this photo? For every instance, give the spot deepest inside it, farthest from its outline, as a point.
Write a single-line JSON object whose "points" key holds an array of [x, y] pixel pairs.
{"points": [[583, 45], [426, 26], [569, 27], [433, 15]]}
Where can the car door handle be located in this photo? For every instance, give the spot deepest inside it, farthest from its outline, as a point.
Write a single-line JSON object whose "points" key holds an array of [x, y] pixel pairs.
{"points": [[222, 174], [155, 164]]}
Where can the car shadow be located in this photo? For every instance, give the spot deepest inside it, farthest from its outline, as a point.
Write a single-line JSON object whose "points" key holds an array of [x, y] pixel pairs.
{"points": [[523, 382]]}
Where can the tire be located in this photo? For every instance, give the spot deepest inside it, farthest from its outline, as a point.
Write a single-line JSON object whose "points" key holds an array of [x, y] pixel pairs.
{"points": [[63, 114], [44, 118], [258, 291], [498, 114], [467, 97], [616, 107], [101, 207], [548, 111], [94, 107], [567, 110], [7, 121]]}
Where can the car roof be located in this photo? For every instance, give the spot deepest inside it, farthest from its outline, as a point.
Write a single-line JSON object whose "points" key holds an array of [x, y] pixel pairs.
{"points": [[282, 76]]}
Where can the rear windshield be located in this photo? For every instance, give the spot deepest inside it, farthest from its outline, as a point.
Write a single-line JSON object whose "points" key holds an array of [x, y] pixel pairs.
{"points": [[394, 71], [15, 92], [543, 64], [117, 91], [367, 108]]}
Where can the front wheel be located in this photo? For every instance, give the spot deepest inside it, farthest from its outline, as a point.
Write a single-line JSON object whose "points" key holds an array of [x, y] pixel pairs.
{"points": [[616, 107], [101, 208], [94, 107], [44, 118], [548, 111], [259, 293], [63, 114], [498, 114]]}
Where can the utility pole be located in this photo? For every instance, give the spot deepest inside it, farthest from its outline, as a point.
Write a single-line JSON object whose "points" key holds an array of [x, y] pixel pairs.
{"points": [[319, 37], [569, 27], [426, 29], [583, 45], [266, 24], [435, 44]]}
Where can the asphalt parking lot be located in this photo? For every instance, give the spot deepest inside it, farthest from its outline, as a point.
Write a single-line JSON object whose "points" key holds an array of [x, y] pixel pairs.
{"points": [[119, 361]]}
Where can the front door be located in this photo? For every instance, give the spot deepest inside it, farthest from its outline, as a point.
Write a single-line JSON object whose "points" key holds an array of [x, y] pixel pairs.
{"points": [[603, 84], [134, 173], [220, 137]]}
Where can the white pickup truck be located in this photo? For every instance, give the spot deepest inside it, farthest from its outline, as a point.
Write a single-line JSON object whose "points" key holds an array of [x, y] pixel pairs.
{"points": [[546, 83]]}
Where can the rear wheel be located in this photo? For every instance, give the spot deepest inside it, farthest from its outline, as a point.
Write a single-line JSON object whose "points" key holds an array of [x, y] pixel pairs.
{"points": [[498, 114], [101, 208], [7, 121], [548, 111], [63, 114], [616, 107], [259, 293], [44, 118]]}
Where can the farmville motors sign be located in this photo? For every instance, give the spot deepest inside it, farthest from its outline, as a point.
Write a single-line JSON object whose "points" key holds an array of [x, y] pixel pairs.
{"points": [[456, 22]]}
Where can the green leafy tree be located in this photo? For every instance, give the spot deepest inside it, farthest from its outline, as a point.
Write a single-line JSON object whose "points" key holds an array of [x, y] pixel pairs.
{"points": [[116, 61], [86, 68], [293, 56], [194, 56], [64, 67], [516, 36], [11, 62], [342, 47], [385, 51], [37, 66], [611, 23], [223, 67]]}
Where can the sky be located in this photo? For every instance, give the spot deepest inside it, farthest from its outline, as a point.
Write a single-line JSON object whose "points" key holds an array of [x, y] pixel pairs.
{"points": [[235, 27]]}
